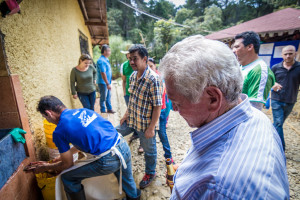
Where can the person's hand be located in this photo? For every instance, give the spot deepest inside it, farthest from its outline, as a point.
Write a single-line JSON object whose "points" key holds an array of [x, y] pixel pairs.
{"points": [[123, 120], [277, 87], [149, 133], [75, 96], [16, 134], [33, 165], [108, 86], [57, 159], [40, 168]]}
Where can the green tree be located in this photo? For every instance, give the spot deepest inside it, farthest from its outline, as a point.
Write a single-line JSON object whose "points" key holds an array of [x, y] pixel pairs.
{"points": [[212, 19], [164, 9], [114, 17], [164, 35], [183, 14]]}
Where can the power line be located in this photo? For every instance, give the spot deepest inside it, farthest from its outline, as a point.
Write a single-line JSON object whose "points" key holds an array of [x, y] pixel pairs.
{"points": [[151, 15]]}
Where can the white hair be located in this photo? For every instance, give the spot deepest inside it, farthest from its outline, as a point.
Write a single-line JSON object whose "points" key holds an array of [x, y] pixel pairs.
{"points": [[195, 63]]}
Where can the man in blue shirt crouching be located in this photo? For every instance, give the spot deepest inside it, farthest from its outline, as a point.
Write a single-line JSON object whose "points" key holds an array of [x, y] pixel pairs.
{"points": [[92, 134]]}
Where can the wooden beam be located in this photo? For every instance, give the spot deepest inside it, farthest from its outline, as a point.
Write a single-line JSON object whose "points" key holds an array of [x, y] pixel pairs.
{"points": [[81, 3], [95, 23]]}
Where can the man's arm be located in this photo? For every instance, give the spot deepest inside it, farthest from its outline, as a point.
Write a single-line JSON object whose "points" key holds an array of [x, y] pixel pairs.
{"points": [[124, 118], [150, 132], [124, 84], [64, 162], [103, 75], [276, 87]]}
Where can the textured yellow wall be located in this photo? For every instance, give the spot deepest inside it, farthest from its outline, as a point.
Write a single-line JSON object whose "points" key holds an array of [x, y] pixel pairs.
{"points": [[42, 46]]}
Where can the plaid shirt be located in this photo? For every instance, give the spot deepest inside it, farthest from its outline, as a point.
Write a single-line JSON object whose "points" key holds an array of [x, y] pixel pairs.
{"points": [[145, 93]]}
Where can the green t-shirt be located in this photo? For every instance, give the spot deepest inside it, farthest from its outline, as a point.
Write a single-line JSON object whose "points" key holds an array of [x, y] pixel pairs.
{"points": [[83, 82], [258, 81], [127, 71]]}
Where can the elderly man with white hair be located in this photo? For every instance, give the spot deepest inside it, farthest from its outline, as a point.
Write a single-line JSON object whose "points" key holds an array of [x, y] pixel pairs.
{"points": [[236, 152]]}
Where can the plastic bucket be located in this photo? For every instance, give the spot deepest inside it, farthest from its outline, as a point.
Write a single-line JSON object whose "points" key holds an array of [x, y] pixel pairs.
{"points": [[48, 129], [46, 183]]}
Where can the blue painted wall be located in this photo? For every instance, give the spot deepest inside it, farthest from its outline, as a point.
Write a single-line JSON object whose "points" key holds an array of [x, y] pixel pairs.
{"points": [[275, 60]]}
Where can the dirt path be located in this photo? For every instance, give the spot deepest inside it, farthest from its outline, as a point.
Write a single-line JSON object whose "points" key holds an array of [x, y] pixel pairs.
{"points": [[179, 138]]}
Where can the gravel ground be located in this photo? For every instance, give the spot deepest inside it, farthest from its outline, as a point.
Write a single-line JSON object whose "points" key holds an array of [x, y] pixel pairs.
{"points": [[179, 138]]}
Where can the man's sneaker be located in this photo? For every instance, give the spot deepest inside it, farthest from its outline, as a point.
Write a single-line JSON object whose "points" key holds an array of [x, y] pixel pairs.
{"points": [[140, 149], [111, 111], [148, 178], [133, 137]]}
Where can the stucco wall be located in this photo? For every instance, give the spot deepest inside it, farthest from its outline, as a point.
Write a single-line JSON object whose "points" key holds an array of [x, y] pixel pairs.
{"points": [[42, 46]]}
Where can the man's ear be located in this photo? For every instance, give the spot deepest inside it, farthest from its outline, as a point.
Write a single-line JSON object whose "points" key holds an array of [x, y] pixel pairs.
{"points": [[250, 47], [48, 113], [215, 97], [145, 59]]}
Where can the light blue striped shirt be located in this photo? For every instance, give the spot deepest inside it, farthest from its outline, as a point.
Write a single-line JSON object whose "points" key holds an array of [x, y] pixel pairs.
{"points": [[236, 156]]}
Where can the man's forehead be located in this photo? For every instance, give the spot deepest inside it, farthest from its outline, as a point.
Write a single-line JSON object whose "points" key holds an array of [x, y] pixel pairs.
{"points": [[288, 50], [238, 41], [134, 54]]}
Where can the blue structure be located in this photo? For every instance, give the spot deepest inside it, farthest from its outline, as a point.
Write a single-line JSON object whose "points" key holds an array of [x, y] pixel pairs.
{"points": [[271, 52], [11, 155]]}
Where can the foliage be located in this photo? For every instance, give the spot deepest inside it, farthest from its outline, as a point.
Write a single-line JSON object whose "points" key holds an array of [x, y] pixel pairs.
{"points": [[114, 17], [163, 8], [212, 18], [198, 16], [183, 14], [164, 32]]}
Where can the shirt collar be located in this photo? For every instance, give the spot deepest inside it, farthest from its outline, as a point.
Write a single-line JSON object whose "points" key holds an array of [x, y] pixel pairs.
{"points": [[105, 58], [250, 64], [209, 133], [146, 72]]}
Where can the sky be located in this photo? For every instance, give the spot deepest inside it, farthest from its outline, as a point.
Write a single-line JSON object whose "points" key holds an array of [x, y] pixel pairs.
{"points": [[178, 2]]}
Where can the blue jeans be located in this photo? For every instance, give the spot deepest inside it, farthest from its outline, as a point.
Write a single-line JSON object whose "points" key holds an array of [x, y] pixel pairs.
{"points": [[162, 133], [107, 164], [126, 98], [280, 112], [87, 100], [105, 96], [148, 144]]}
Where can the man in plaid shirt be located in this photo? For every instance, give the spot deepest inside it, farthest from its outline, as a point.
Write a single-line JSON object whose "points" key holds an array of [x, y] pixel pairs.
{"points": [[144, 107]]}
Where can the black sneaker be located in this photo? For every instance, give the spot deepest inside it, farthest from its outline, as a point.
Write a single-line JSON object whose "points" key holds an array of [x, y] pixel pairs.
{"points": [[111, 111], [133, 137], [147, 179]]}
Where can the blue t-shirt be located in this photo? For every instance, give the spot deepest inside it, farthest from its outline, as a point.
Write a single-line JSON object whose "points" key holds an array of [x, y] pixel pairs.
{"points": [[86, 130], [103, 65]]}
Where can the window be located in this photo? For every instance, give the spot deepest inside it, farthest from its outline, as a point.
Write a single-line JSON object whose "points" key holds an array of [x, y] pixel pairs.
{"points": [[84, 45]]}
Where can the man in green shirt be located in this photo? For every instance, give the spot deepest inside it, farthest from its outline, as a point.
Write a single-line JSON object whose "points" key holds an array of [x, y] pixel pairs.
{"points": [[258, 77], [126, 72]]}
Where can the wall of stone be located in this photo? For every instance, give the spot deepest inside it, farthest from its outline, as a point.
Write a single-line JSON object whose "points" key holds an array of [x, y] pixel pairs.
{"points": [[42, 46]]}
